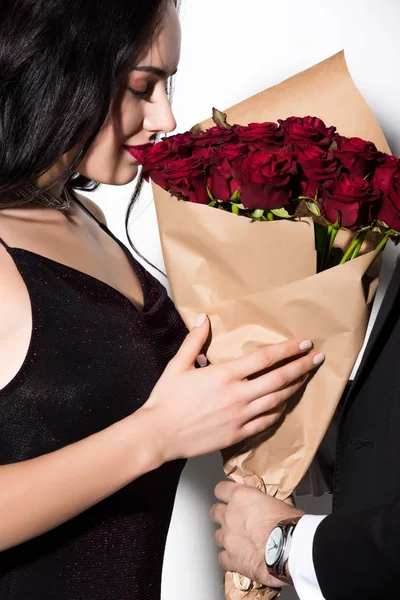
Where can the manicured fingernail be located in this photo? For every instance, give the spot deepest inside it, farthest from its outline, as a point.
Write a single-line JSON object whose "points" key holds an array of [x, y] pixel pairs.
{"points": [[200, 320], [319, 359], [202, 360], [306, 345]]}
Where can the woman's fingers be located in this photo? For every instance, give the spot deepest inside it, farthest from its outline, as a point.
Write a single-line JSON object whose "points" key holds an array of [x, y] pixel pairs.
{"points": [[282, 377], [267, 357], [275, 402]]}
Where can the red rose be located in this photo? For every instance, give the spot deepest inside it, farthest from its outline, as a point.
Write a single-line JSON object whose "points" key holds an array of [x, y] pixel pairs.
{"points": [[390, 210], [307, 130], [204, 153], [385, 171], [225, 161], [262, 135], [353, 200], [356, 155], [184, 178], [266, 179], [389, 214], [213, 137], [156, 158], [220, 181], [317, 168], [181, 143]]}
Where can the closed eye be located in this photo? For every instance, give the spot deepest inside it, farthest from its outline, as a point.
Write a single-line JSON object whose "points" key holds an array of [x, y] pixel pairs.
{"points": [[142, 95]]}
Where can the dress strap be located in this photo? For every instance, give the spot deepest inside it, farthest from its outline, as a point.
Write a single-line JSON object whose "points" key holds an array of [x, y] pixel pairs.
{"points": [[6, 246]]}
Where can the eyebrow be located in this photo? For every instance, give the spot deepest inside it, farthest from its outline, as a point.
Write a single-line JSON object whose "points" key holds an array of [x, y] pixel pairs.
{"points": [[156, 71]]}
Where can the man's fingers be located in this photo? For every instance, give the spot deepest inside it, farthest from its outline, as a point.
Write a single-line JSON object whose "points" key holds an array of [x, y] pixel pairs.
{"points": [[267, 357], [225, 489], [217, 513], [219, 538]]}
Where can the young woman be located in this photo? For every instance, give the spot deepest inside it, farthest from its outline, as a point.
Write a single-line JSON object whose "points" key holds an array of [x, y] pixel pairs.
{"points": [[100, 398]]}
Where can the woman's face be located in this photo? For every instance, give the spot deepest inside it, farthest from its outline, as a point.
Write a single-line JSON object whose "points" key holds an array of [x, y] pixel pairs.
{"points": [[140, 111]]}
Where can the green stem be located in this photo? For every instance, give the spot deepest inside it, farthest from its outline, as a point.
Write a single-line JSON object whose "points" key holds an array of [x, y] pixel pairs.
{"points": [[334, 233], [354, 248], [357, 249], [383, 241], [349, 253]]}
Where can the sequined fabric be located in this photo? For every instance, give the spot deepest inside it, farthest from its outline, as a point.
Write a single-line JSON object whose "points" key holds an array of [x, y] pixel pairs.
{"points": [[93, 359]]}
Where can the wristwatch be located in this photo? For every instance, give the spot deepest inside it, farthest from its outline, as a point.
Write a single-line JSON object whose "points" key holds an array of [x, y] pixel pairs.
{"points": [[278, 546]]}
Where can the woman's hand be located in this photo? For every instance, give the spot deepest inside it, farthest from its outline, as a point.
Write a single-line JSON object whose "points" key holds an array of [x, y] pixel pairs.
{"points": [[197, 411]]}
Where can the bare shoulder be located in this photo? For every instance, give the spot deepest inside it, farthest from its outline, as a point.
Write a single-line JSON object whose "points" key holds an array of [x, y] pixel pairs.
{"points": [[92, 207]]}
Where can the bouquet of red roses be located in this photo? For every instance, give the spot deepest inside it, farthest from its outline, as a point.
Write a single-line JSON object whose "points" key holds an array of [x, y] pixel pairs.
{"points": [[273, 230]]}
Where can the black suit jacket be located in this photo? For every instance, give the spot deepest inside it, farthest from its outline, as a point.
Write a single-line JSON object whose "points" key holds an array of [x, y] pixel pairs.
{"points": [[357, 548]]}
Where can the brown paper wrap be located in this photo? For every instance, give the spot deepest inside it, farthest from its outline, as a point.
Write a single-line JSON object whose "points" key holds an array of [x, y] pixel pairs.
{"points": [[258, 284]]}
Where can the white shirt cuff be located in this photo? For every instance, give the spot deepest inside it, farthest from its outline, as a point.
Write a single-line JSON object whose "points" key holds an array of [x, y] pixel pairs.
{"points": [[301, 564]]}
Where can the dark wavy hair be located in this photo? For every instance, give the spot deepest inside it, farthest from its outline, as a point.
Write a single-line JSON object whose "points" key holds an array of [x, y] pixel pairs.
{"points": [[60, 63]]}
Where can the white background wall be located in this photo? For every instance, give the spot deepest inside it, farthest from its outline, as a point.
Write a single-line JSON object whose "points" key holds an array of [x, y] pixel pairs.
{"points": [[231, 50]]}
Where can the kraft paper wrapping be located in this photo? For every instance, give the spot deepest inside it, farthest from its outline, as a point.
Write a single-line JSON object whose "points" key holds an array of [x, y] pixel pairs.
{"points": [[258, 284]]}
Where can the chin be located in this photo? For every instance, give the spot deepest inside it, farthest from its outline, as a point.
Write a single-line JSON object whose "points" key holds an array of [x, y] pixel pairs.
{"points": [[122, 177]]}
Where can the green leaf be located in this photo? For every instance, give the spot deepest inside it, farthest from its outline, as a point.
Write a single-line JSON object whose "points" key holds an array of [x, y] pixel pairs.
{"points": [[282, 213], [313, 208], [235, 209], [257, 214], [236, 197], [212, 203], [220, 118], [383, 224]]}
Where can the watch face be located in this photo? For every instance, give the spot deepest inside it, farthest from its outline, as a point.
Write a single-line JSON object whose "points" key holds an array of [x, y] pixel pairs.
{"points": [[274, 547]]}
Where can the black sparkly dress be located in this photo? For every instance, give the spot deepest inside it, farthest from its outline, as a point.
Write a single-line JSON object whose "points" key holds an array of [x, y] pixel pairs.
{"points": [[93, 359]]}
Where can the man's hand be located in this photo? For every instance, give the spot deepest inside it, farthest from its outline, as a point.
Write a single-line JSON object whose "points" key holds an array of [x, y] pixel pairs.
{"points": [[247, 517]]}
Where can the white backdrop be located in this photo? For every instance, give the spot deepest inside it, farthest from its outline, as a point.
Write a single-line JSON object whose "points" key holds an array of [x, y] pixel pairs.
{"points": [[231, 50]]}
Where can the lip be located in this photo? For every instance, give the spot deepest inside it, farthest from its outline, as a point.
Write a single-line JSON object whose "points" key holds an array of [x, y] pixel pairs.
{"points": [[135, 151]]}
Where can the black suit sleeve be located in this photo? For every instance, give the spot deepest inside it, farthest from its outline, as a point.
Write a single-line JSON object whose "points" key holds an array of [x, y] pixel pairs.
{"points": [[357, 554]]}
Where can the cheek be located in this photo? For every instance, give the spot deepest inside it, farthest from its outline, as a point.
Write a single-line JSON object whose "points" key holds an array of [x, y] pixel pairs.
{"points": [[107, 161], [129, 119]]}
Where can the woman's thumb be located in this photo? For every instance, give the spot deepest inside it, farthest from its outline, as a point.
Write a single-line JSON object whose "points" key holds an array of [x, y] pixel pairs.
{"points": [[194, 342]]}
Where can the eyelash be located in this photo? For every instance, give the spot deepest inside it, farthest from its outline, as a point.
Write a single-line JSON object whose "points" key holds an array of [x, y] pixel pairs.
{"points": [[146, 95], [148, 92]]}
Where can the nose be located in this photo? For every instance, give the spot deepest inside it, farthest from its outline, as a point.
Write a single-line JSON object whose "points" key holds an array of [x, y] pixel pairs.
{"points": [[159, 117]]}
